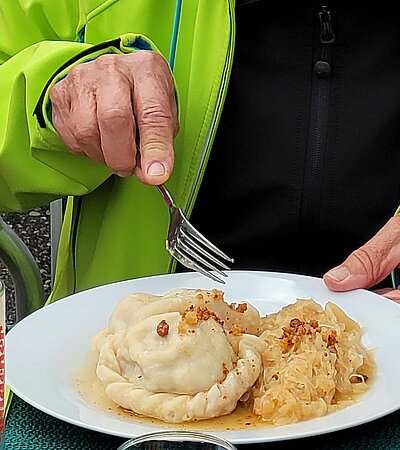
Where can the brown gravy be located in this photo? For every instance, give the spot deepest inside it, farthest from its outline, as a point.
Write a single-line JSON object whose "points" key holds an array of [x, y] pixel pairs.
{"points": [[91, 389]]}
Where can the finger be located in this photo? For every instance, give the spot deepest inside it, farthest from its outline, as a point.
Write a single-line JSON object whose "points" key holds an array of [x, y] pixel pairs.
{"points": [[156, 115], [74, 115], [392, 294], [61, 107], [83, 124], [369, 264], [117, 124], [382, 291]]}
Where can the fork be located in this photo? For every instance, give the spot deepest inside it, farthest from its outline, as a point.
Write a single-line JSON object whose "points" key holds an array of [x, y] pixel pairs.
{"points": [[191, 248]]}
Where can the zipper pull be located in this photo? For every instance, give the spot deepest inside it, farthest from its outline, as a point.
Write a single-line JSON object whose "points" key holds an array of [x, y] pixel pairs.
{"points": [[327, 35]]}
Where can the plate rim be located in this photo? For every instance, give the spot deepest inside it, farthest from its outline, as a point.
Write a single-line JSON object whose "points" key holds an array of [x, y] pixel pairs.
{"points": [[220, 433]]}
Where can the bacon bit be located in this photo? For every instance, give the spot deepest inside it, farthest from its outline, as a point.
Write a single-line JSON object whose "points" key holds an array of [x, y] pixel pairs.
{"points": [[293, 334], [275, 376], [295, 323], [332, 338], [193, 314], [242, 308], [235, 330], [162, 328], [216, 294]]}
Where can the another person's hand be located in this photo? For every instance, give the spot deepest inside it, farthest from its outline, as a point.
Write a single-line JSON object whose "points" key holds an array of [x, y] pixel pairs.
{"points": [[120, 110], [371, 263]]}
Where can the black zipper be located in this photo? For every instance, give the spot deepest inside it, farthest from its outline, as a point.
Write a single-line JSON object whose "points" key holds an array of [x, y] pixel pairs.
{"points": [[319, 116], [245, 2]]}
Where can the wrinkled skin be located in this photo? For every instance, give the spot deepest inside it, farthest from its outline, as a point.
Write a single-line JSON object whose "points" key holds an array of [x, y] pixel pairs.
{"points": [[120, 110], [117, 107], [371, 263]]}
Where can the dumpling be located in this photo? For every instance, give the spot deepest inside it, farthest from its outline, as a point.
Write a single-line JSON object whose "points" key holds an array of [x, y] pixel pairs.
{"points": [[177, 365], [134, 308]]}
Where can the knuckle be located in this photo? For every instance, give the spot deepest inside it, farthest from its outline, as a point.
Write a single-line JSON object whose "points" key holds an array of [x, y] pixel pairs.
{"points": [[113, 116], [363, 255], [84, 134], [370, 259], [148, 56], [108, 61], [155, 114], [57, 92], [153, 63], [75, 72]]}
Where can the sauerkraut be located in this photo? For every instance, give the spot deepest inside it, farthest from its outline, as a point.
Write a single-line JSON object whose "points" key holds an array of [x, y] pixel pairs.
{"points": [[313, 364]]}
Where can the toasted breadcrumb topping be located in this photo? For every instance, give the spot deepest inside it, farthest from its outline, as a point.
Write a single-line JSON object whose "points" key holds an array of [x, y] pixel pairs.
{"points": [[241, 307], [235, 330], [193, 314], [293, 334]]}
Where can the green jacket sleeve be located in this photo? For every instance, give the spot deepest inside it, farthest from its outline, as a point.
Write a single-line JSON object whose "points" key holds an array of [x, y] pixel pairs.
{"points": [[38, 45]]}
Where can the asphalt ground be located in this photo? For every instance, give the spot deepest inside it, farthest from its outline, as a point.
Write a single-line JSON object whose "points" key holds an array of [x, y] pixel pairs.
{"points": [[33, 227]]}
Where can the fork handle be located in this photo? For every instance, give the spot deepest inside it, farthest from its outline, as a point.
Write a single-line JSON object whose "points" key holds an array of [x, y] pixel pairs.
{"points": [[166, 196]]}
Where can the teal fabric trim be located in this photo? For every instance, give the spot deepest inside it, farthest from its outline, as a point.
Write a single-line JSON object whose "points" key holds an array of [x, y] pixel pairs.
{"points": [[174, 40], [81, 35], [138, 44]]}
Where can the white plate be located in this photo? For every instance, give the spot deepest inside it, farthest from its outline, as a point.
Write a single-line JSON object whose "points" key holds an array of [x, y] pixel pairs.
{"points": [[44, 350]]}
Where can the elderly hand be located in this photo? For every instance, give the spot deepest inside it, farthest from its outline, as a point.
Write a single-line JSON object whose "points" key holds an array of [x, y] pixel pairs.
{"points": [[108, 107], [371, 263]]}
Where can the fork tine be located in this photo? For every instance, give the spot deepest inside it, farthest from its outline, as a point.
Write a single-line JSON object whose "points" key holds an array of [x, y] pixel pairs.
{"points": [[192, 242], [197, 257], [189, 227], [190, 264]]}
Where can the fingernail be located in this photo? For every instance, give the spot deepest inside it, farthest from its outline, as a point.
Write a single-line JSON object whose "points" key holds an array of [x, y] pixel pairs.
{"points": [[156, 169], [339, 273]]}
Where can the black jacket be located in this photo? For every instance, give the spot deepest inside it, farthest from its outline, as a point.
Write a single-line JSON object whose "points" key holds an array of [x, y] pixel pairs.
{"points": [[306, 162]]}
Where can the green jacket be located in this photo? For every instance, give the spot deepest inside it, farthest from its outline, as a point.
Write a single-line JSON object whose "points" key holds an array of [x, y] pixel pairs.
{"points": [[114, 229]]}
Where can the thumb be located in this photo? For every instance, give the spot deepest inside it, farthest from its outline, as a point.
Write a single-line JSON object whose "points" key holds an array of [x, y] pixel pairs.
{"points": [[155, 110], [369, 264]]}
